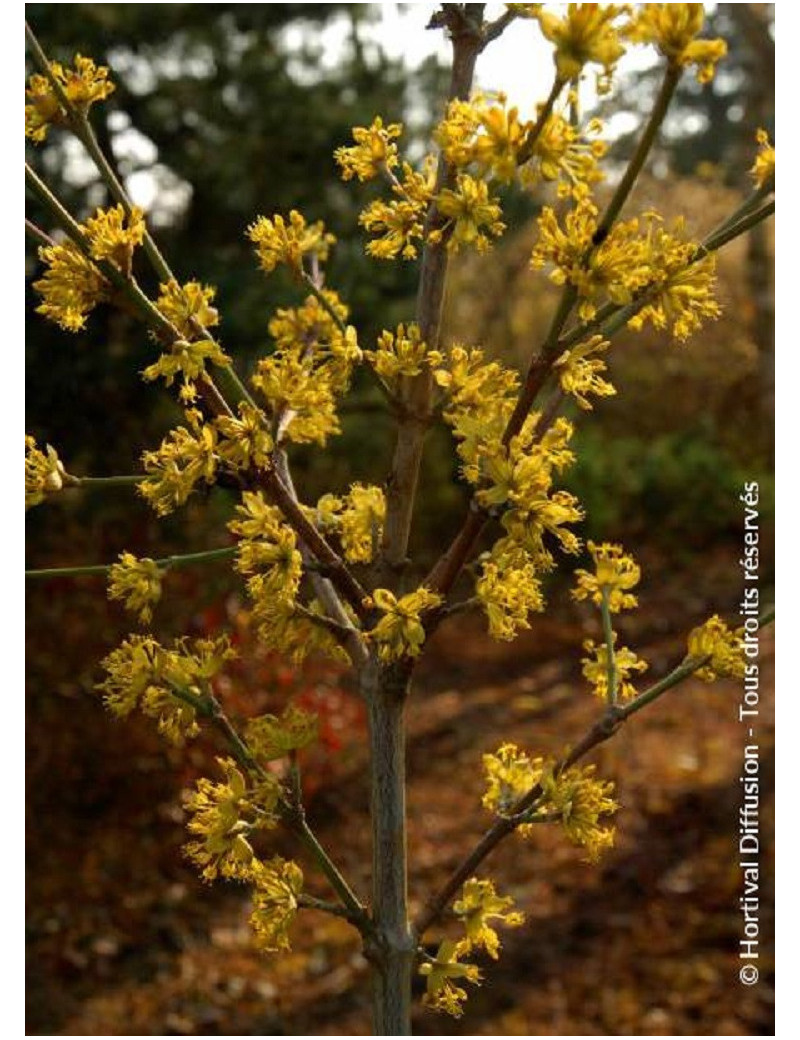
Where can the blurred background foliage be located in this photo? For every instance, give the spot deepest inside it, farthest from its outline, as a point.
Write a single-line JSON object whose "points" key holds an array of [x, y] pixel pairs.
{"points": [[226, 111]]}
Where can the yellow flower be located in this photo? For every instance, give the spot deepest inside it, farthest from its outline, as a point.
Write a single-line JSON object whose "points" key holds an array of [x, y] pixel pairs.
{"points": [[400, 631], [510, 774], [373, 152], [359, 522], [615, 574], [672, 28], [187, 359], [595, 669], [485, 133], [724, 647], [71, 286], [518, 482], [508, 591], [403, 353], [185, 458], [300, 396], [278, 885], [294, 633], [279, 242], [188, 306], [44, 473], [763, 171], [615, 269], [441, 992], [579, 374], [245, 441], [83, 85], [479, 904], [681, 289], [579, 800], [572, 797], [137, 583], [473, 214], [268, 551], [480, 399], [223, 816], [271, 737], [114, 233], [560, 153], [144, 674], [585, 35]]}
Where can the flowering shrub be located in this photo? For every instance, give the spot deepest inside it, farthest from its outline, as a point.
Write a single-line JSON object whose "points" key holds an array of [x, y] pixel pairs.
{"points": [[332, 578]]}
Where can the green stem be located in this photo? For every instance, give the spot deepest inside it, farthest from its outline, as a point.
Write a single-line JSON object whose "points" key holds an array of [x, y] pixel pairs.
{"points": [[526, 151], [100, 482], [164, 562], [611, 657], [646, 142]]}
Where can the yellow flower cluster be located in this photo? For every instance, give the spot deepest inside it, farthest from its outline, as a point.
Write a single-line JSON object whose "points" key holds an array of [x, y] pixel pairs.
{"points": [[680, 291], [114, 233], [585, 35], [578, 372], [563, 153], [472, 215], [311, 366], [268, 553], [483, 131], [83, 85], [672, 28], [479, 904], [245, 441], [614, 270], [399, 223], [400, 632], [401, 353], [615, 575], [510, 774], [595, 669], [144, 674], [137, 583], [223, 816], [508, 590], [278, 885], [188, 359], [271, 737], [44, 473], [269, 556], [188, 306], [520, 482], [441, 991], [373, 153], [184, 459], [763, 171], [724, 648], [278, 242], [516, 479], [357, 519], [72, 286], [480, 396], [572, 796], [579, 800]]}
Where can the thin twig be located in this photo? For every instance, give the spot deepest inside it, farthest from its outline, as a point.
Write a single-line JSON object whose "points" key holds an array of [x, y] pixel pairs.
{"points": [[165, 562]]}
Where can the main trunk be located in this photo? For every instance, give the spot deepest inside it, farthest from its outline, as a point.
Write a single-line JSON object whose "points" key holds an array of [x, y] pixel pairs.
{"points": [[392, 955]]}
